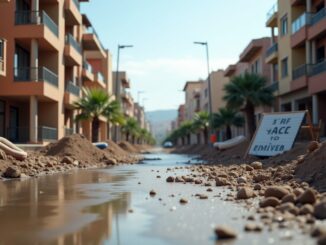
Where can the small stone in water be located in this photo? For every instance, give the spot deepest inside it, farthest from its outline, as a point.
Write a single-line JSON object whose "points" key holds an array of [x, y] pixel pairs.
{"points": [[152, 193], [224, 232]]}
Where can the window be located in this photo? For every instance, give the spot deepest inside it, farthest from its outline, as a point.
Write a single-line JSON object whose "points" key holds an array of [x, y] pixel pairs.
{"points": [[206, 93], [320, 54], [285, 70], [284, 25], [1, 49]]}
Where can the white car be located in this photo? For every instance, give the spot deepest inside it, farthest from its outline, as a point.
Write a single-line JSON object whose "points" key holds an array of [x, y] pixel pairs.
{"points": [[168, 144]]}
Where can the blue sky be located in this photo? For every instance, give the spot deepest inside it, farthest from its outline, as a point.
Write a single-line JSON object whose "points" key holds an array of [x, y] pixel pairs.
{"points": [[163, 31]]}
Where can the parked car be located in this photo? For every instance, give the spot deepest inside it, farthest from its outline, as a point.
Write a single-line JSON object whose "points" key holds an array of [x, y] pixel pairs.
{"points": [[168, 144]]}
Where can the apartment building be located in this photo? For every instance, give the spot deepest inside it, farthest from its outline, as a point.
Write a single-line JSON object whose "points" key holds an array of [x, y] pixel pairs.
{"points": [[218, 81], [192, 91], [139, 114], [51, 52], [299, 51], [181, 115]]}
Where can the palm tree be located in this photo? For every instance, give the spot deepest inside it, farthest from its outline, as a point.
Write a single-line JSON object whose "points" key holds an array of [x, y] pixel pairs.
{"points": [[201, 124], [186, 129], [245, 92], [227, 117], [130, 127], [94, 104]]}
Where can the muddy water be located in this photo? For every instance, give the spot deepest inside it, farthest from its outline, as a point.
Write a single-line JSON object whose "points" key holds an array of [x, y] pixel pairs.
{"points": [[112, 206]]}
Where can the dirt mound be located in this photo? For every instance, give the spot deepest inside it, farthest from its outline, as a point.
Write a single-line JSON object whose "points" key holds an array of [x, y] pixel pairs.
{"points": [[128, 147], [313, 168], [77, 147], [115, 149]]}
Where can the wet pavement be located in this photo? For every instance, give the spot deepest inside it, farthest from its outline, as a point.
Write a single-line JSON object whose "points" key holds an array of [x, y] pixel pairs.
{"points": [[113, 206]]}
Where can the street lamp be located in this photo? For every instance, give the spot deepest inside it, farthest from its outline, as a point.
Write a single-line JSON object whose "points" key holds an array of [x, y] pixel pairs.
{"points": [[117, 86], [209, 82], [138, 96]]}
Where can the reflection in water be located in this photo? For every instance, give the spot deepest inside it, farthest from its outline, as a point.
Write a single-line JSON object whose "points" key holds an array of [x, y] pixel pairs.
{"points": [[66, 209]]}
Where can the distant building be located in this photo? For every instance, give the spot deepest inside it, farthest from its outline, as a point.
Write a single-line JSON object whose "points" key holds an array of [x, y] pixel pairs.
{"points": [[192, 91], [181, 115]]}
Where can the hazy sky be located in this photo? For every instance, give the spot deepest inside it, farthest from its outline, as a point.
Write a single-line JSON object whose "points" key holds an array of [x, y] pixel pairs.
{"points": [[163, 31]]}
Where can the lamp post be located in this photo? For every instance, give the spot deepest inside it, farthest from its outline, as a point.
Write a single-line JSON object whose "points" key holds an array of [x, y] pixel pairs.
{"points": [[210, 110], [117, 85]]}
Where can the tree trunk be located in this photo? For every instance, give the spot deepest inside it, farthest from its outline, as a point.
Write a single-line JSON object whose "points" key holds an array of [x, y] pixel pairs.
{"points": [[188, 139], [206, 135], [228, 132], [182, 140], [95, 129], [127, 136], [250, 116], [198, 138]]}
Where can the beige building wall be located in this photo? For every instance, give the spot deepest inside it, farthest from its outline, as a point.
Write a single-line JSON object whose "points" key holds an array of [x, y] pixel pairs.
{"points": [[193, 91]]}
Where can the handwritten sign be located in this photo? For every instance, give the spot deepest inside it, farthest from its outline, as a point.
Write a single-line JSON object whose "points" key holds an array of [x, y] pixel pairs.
{"points": [[276, 133]]}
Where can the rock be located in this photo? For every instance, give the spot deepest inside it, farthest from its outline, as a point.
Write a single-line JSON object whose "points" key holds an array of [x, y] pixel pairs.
{"points": [[269, 202], [198, 181], [313, 145], [209, 189], [224, 232], [261, 177], [179, 179], [276, 191], [76, 163], [111, 161], [152, 193], [306, 209], [319, 230], [249, 168], [298, 191], [170, 179], [12, 172], [256, 165], [288, 207], [253, 227], [320, 210], [257, 187], [241, 180], [289, 198], [245, 193], [203, 196], [221, 181], [183, 201], [308, 197], [67, 160], [3, 155]]}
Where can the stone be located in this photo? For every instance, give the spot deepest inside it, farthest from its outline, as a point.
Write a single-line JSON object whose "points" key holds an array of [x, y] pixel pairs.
{"points": [[289, 198], [318, 230], [183, 201], [12, 172], [225, 232], [276, 191], [288, 207], [256, 165], [313, 145], [306, 209], [320, 210], [269, 202], [250, 227], [241, 180], [221, 181], [307, 197], [257, 187], [322, 240], [198, 181], [111, 161], [203, 196], [3, 155], [249, 168], [261, 177], [152, 193], [245, 193], [179, 179], [170, 179], [67, 160], [209, 189]]}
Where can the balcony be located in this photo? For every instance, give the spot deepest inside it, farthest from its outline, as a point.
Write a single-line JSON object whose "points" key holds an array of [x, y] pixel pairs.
{"points": [[274, 86], [72, 12], [72, 94], [272, 16], [73, 51], [299, 30], [88, 74], [318, 24], [230, 70], [91, 42], [317, 76], [317, 68], [272, 54], [127, 97], [37, 25], [100, 80], [300, 77], [35, 74]]}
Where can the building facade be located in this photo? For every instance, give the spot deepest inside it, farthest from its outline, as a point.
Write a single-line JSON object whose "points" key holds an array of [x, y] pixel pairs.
{"points": [[192, 91], [52, 51]]}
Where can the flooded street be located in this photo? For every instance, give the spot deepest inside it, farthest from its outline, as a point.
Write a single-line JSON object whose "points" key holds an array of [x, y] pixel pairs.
{"points": [[113, 206]]}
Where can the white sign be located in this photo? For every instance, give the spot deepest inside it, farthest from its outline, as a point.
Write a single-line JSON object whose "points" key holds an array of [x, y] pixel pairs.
{"points": [[276, 133]]}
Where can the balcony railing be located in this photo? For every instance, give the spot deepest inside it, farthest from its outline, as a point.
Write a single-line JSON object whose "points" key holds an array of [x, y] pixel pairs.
{"points": [[272, 11], [101, 77], [303, 20], [272, 49], [318, 16], [317, 68], [93, 31], [300, 71], [35, 74], [76, 2], [72, 88], [22, 134], [70, 40], [87, 66], [274, 86], [36, 18]]}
